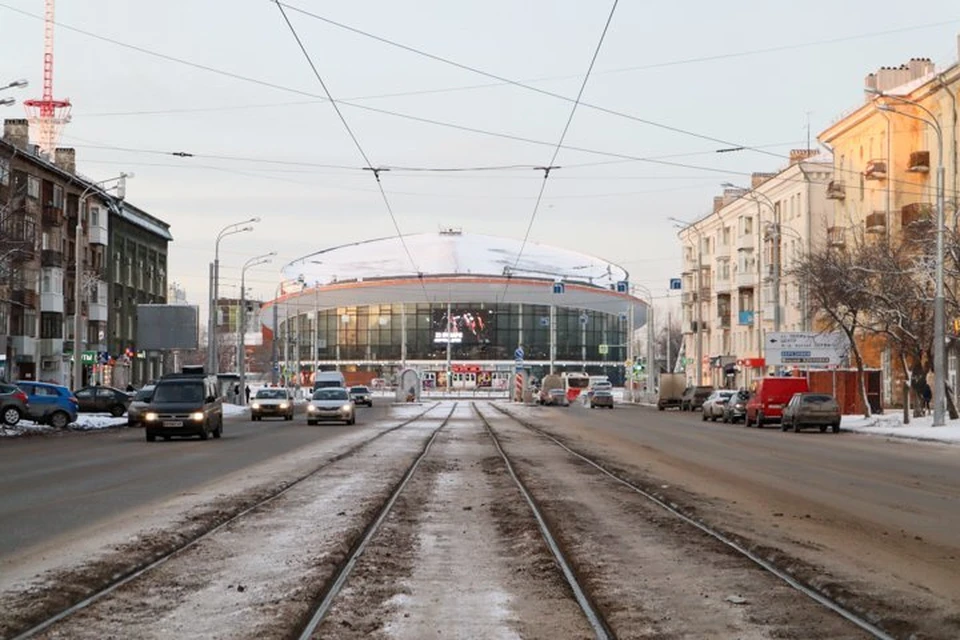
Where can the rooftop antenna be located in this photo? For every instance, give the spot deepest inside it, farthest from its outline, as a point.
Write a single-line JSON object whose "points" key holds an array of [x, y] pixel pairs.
{"points": [[47, 114]]}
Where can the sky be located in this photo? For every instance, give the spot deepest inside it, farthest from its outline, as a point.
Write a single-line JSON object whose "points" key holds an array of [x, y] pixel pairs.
{"points": [[228, 83]]}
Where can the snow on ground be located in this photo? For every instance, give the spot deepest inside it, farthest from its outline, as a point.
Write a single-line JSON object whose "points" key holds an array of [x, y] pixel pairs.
{"points": [[891, 424], [85, 422], [232, 410]]}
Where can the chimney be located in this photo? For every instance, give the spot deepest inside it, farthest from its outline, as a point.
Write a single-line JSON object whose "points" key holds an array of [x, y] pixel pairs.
{"points": [[718, 202], [16, 131], [799, 155], [66, 159], [757, 178]]}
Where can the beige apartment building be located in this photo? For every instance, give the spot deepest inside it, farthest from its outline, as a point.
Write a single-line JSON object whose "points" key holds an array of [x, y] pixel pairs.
{"points": [[885, 164], [736, 269]]}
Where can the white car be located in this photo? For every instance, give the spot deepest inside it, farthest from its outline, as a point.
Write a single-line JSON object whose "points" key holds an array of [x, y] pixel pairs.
{"points": [[331, 403], [272, 401], [712, 408]]}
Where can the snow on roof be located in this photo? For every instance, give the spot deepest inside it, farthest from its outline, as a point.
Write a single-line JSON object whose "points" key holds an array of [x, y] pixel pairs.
{"points": [[134, 216], [452, 253]]}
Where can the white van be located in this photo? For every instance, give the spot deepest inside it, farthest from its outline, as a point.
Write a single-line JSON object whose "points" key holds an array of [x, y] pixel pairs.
{"points": [[328, 379]]}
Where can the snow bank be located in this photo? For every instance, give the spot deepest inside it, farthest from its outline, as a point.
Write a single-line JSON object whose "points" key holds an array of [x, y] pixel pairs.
{"points": [[891, 424]]}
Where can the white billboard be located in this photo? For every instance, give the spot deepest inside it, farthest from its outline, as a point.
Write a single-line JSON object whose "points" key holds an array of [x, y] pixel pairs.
{"points": [[805, 348]]}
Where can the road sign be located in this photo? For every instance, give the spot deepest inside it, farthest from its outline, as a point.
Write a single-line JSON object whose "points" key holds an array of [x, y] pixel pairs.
{"points": [[544, 321], [603, 349], [676, 284], [623, 316], [518, 355], [805, 348], [558, 287], [622, 286], [584, 319]]}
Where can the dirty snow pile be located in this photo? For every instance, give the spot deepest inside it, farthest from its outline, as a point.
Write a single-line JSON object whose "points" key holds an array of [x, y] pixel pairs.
{"points": [[891, 424]]}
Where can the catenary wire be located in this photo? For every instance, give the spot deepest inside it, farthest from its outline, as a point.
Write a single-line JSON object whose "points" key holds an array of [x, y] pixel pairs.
{"points": [[563, 135], [356, 142]]}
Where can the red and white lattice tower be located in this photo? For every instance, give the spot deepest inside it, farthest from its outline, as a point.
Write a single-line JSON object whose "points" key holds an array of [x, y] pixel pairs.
{"points": [[47, 116]]}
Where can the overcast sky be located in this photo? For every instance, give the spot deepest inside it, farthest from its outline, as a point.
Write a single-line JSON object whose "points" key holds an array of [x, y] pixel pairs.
{"points": [[747, 72]]}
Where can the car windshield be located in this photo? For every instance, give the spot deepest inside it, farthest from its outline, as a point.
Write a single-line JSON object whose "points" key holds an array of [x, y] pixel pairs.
{"points": [[271, 394], [144, 394], [603, 392], [330, 394], [186, 392], [359, 390], [817, 398]]}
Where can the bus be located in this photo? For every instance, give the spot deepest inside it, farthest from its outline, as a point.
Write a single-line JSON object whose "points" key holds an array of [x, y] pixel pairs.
{"points": [[575, 383]]}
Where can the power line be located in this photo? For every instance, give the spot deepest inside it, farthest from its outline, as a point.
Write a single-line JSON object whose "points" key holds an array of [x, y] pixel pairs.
{"points": [[566, 127], [369, 165]]}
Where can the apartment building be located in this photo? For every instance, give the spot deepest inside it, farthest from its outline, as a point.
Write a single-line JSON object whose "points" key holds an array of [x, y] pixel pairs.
{"points": [[885, 163], [42, 201], [736, 269]]}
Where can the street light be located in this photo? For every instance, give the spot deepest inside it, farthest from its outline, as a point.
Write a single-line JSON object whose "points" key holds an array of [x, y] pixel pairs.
{"points": [[699, 293], [651, 337], [242, 329], [16, 84], [939, 379], [78, 341], [230, 229]]}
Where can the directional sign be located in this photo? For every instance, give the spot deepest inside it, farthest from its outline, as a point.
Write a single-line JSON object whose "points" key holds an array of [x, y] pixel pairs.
{"points": [[558, 287], [518, 355], [584, 319], [676, 284], [805, 348], [603, 349]]}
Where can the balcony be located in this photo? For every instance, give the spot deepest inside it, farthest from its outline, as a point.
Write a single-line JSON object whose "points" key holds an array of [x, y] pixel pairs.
{"points": [[51, 258], [919, 162], [687, 297], [722, 285], [98, 312], [836, 237], [98, 235], [51, 346], [723, 320], [836, 190], [746, 279], [916, 220], [876, 222], [876, 170], [52, 216], [25, 297], [51, 302]]}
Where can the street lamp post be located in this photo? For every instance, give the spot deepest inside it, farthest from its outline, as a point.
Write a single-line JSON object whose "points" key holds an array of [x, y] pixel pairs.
{"points": [[242, 331], [78, 341], [230, 229], [699, 296], [939, 374]]}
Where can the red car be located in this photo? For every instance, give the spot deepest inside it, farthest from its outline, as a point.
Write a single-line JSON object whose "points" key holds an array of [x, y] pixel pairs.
{"points": [[771, 396]]}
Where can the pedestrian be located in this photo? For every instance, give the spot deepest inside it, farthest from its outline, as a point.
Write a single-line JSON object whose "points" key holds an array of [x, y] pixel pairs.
{"points": [[236, 392], [130, 388], [247, 392], [926, 393]]}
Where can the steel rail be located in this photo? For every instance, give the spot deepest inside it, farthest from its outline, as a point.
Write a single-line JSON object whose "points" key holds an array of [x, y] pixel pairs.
{"points": [[136, 572], [371, 530], [771, 568], [594, 617]]}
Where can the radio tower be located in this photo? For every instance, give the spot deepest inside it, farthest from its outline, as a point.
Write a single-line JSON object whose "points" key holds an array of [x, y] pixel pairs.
{"points": [[47, 116]]}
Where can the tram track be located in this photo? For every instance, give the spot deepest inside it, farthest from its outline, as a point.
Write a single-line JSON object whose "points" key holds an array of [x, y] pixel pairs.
{"points": [[37, 621], [736, 547]]}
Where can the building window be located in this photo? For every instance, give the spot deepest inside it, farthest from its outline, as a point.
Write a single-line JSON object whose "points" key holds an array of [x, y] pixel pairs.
{"points": [[94, 217], [33, 187], [51, 326], [4, 172], [57, 196]]}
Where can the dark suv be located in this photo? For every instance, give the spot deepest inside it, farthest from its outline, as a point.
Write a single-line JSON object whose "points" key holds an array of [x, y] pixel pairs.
{"points": [[693, 397], [184, 404]]}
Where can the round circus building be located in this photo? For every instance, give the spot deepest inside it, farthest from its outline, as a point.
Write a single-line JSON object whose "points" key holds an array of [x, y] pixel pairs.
{"points": [[457, 307]]}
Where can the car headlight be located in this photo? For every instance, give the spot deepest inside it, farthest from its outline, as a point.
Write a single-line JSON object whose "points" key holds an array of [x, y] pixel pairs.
{"points": [[150, 416], [255, 405], [284, 405], [197, 416], [347, 408], [311, 407]]}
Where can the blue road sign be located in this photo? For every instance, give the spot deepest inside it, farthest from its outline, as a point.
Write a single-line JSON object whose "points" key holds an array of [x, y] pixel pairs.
{"points": [[676, 284], [518, 354], [558, 287], [544, 321]]}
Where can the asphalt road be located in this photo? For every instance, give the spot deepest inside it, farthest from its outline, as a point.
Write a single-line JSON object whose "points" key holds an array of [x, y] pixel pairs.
{"points": [[54, 485]]}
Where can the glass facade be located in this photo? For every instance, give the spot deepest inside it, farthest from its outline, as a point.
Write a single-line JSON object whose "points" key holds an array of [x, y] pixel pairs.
{"points": [[476, 332]]}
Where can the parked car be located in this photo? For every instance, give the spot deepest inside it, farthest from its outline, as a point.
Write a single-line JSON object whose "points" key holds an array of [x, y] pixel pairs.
{"points": [[99, 399], [184, 404], [50, 404], [13, 404], [556, 398], [736, 408], [331, 403], [601, 398], [139, 404], [713, 406], [770, 397], [361, 395], [811, 410], [693, 397], [272, 401]]}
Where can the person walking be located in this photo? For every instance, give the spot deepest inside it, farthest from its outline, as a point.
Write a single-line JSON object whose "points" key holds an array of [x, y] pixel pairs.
{"points": [[247, 393]]}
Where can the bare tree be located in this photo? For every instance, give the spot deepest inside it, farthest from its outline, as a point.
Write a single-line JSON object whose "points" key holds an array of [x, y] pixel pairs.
{"points": [[672, 333], [839, 290]]}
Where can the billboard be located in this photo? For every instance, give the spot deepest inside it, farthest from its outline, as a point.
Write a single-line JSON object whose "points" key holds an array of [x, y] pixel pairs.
{"points": [[164, 327], [805, 348], [469, 326]]}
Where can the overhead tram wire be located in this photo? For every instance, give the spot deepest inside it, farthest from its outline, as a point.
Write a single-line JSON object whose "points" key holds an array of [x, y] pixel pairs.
{"points": [[369, 165], [566, 127]]}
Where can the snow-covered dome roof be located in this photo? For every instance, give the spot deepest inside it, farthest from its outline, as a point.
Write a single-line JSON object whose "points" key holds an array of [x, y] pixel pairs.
{"points": [[451, 253]]}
